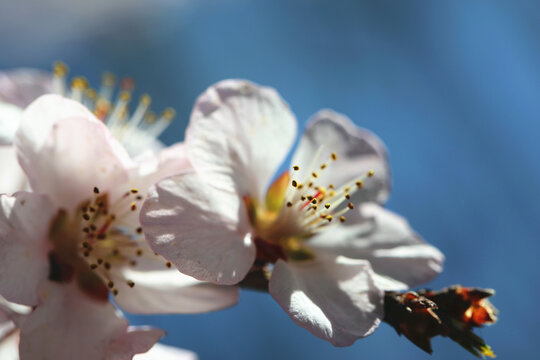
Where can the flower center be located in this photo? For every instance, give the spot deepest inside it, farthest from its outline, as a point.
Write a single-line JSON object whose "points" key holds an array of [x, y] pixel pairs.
{"points": [[297, 207], [137, 130], [97, 240]]}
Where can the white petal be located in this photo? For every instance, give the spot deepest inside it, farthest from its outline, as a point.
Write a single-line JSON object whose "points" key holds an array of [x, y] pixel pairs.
{"points": [[69, 325], [9, 346], [164, 352], [169, 291], [335, 298], [65, 151], [12, 177], [358, 151], [137, 339], [398, 255], [10, 117], [24, 228], [22, 86], [241, 132], [202, 230]]}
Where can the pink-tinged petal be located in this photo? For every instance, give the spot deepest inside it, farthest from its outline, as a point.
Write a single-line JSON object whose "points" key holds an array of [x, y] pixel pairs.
{"points": [[10, 117], [169, 291], [358, 151], [9, 345], [201, 229], [22, 86], [240, 132], [334, 298], [25, 219], [398, 255], [164, 352], [65, 151], [137, 340], [69, 325], [148, 170], [12, 177]]}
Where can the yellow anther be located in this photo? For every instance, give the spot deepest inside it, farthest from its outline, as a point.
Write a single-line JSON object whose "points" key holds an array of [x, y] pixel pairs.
{"points": [[329, 218], [350, 205], [110, 284], [130, 283], [168, 264], [289, 204], [370, 173], [323, 166], [347, 188], [296, 167], [303, 198], [134, 191], [145, 99], [332, 193], [150, 118], [342, 219], [313, 201], [331, 186], [294, 183], [314, 174], [79, 82], [96, 190], [91, 94], [310, 184], [115, 292], [60, 69], [333, 156], [125, 96], [359, 184], [347, 196], [300, 186], [327, 205], [169, 114], [133, 206]]}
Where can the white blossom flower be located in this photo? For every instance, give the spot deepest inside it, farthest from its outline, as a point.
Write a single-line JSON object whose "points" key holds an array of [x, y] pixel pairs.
{"points": [[329, 263], [75, 238]]}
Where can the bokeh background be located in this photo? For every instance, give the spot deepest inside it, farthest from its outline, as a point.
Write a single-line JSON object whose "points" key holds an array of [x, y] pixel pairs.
{"points": [[452, 87]]}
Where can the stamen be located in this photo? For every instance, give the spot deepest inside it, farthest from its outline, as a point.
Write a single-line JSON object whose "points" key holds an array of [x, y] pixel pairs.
{"points": [[296, 167]]}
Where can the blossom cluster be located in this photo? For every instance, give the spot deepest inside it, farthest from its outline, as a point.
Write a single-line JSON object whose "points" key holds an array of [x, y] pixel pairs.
{"points": [[98, 216]]}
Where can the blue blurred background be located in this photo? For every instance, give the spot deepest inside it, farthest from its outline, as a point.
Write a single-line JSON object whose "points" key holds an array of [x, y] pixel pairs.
{"points": [[452, 87]]}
